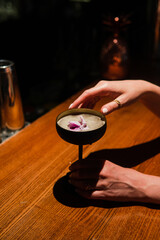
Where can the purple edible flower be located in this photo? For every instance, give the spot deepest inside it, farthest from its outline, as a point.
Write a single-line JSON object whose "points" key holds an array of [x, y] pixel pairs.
{"points": [[73, 125], [77, 125]]}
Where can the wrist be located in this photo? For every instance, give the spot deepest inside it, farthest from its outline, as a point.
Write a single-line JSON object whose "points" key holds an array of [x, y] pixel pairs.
{"points": [[146, 188], [151, 188]]}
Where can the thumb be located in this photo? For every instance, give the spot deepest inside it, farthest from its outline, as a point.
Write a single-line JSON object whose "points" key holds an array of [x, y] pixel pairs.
{"points": [[111, 106]]}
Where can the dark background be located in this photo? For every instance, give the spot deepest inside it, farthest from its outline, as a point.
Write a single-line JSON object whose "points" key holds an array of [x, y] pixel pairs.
{"points": [[56, 45]]}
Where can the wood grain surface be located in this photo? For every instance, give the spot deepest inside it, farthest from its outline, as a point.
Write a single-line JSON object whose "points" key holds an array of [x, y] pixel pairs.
{"points": [[36, 201]]}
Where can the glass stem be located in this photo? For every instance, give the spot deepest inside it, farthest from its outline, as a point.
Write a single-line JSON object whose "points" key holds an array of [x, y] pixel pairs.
{"points": [[80, 151]]}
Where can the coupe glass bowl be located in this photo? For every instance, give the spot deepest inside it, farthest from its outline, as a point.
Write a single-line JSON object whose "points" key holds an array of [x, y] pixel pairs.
{"points": [[81, 137]]}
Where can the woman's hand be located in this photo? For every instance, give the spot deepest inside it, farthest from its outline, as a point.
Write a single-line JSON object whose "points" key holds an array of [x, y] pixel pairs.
{"points": [[102, 179], [126, 92]]}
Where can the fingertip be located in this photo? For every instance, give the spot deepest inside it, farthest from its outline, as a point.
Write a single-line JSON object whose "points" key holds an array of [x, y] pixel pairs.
{"points": [[70, 106], [105, 111]]}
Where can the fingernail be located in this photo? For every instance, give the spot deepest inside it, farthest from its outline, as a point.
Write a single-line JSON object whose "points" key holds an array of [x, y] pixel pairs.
{"points": [[70, 105], [105, 110]]}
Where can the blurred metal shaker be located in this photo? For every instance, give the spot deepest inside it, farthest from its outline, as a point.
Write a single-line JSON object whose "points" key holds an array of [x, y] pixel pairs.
{"points": [[11, 110]]}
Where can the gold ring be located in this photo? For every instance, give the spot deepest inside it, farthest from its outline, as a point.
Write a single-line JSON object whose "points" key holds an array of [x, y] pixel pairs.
{"points": [[118, 102]]}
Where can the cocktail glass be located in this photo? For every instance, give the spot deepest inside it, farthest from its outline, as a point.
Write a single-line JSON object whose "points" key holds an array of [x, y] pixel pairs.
{"points": [[81, 138]]}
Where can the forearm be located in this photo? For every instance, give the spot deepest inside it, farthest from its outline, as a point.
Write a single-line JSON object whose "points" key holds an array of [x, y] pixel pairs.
{"points": [[152, 189], [147, 186], [151, 97]]}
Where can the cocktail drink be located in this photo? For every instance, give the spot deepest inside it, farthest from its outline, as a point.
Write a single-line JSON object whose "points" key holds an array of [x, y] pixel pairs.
{"points": [[81, 126]]}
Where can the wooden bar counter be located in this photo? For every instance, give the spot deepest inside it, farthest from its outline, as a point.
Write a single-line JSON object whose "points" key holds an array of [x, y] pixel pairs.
{"points": [[36, 201]]}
